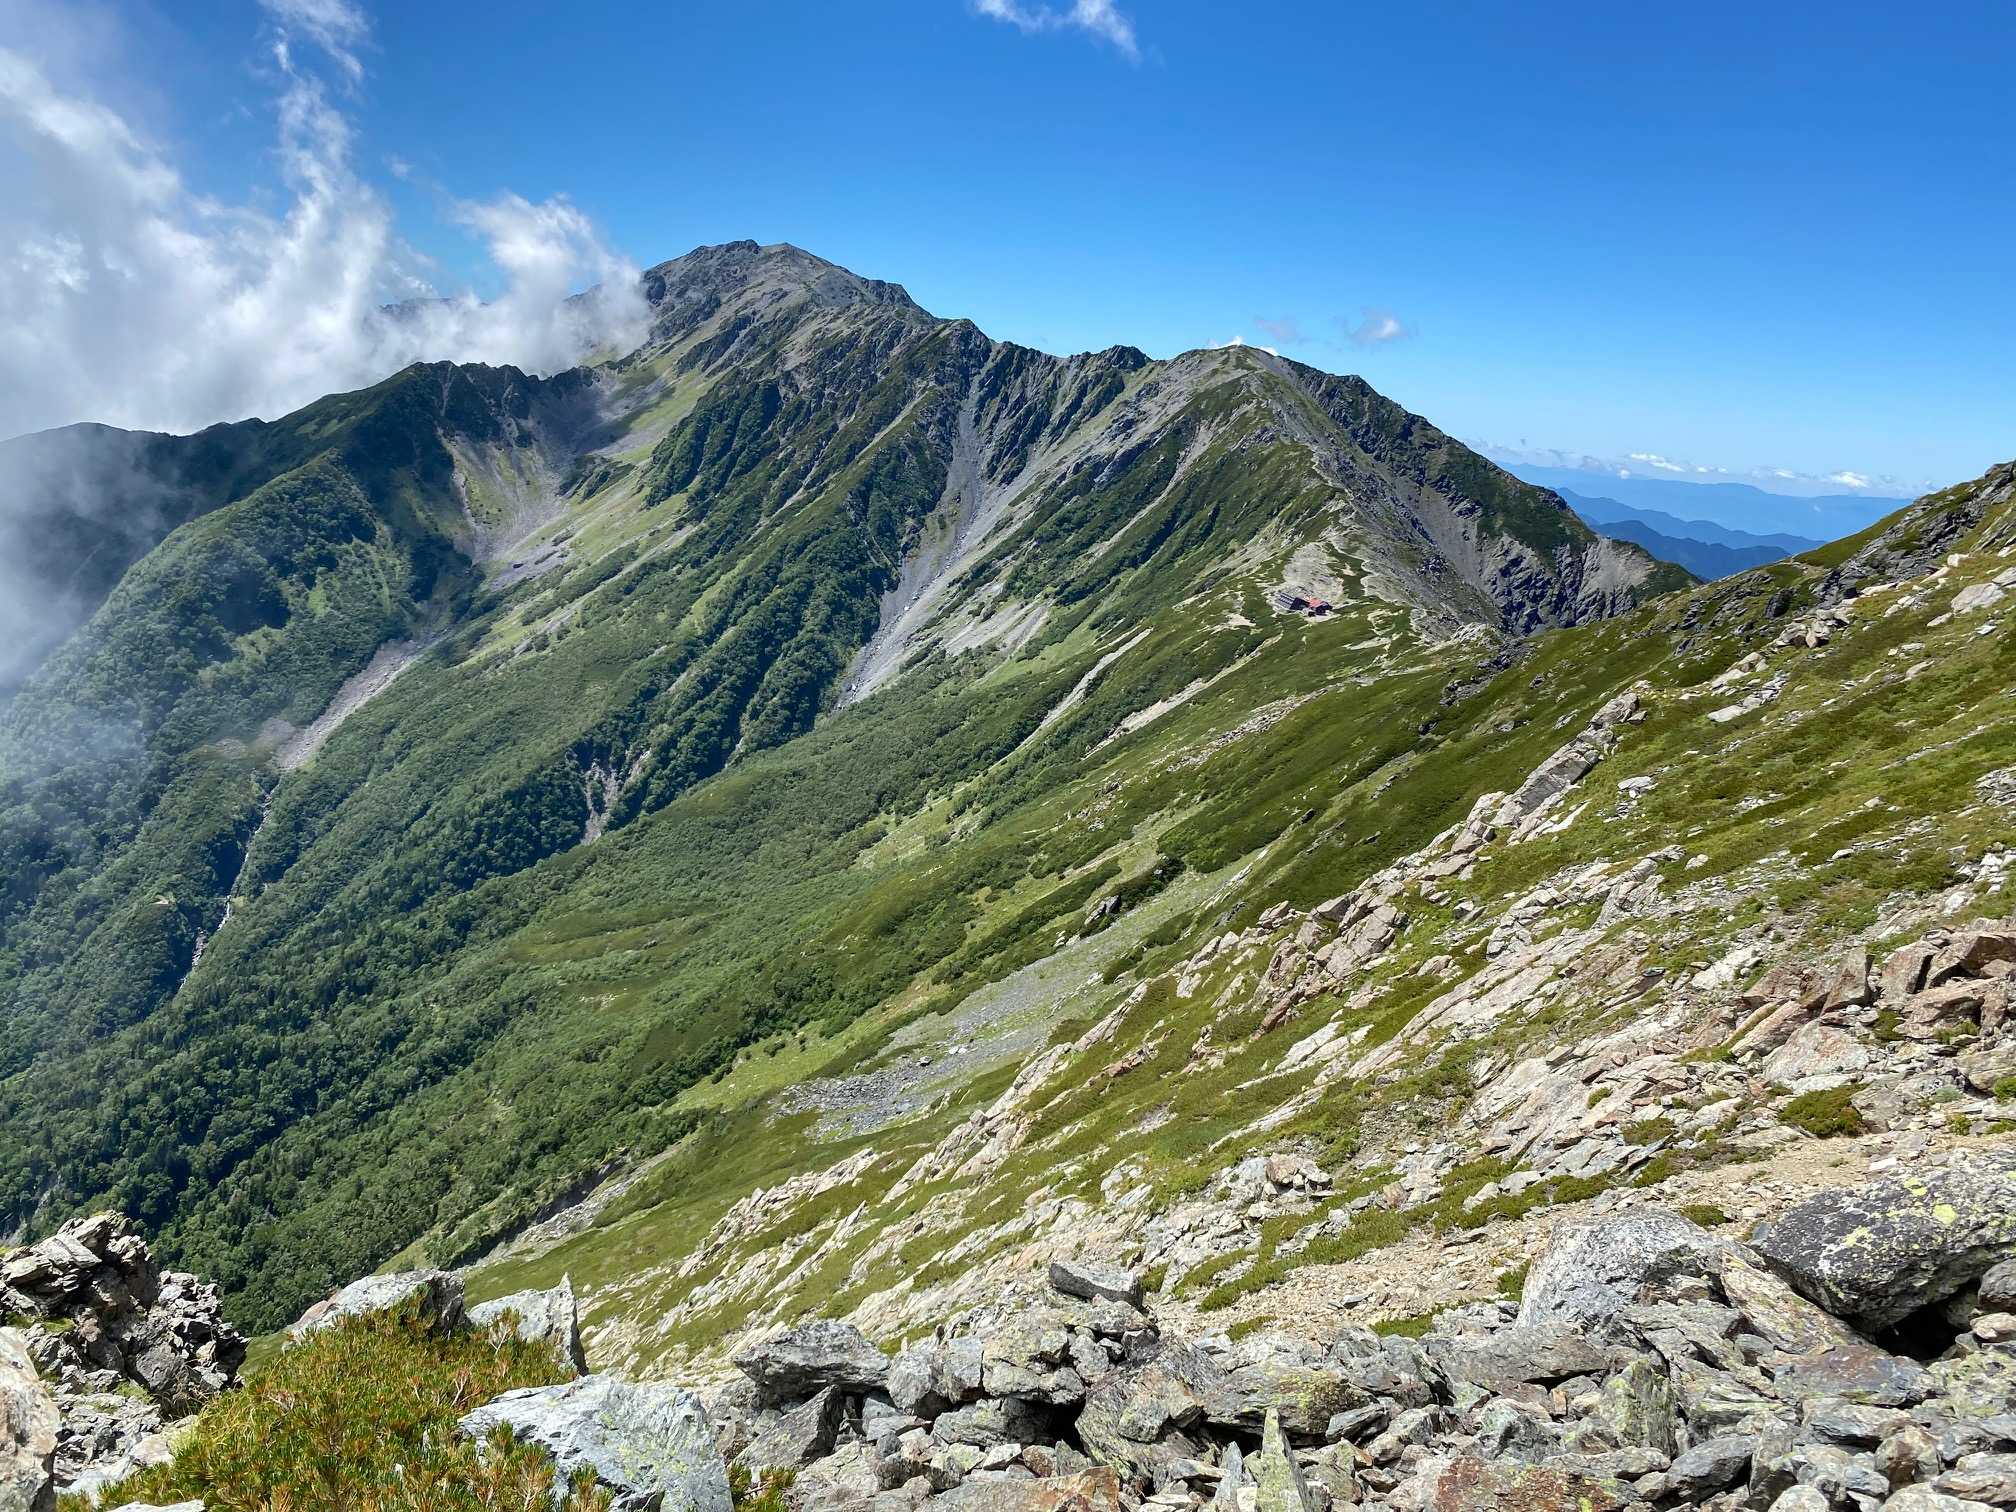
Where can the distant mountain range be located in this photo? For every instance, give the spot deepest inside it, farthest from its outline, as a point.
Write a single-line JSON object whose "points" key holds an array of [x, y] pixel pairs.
{"points": [[1704, 548], [1737, 506]]}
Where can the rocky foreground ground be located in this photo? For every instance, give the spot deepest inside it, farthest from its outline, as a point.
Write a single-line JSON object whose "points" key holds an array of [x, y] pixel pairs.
{"points": [[1858, 1351]]}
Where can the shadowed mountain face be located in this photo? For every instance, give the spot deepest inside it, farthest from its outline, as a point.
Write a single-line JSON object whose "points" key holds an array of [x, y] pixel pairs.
{"points": [[768, 644]]}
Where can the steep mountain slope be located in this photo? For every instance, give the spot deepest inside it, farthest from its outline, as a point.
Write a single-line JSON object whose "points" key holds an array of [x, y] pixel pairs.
{"points": [[1647, 912], [415, 828]]}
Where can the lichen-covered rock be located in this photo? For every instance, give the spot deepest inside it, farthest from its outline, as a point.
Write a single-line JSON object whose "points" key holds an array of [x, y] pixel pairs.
{"points": [[28, 1425], [1468, 1483], [548, 1317], [434, 1296], [1276, 1473], [794, 1363], [650, 1444], [1878, 1253]]}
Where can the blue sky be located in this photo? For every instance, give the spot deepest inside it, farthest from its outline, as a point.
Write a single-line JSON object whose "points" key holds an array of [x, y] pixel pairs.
{"points": [[1737, 237]]}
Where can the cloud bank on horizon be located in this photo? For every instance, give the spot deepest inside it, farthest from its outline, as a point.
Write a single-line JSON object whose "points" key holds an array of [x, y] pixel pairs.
{"points": [[1653, 465], [133, 300]]}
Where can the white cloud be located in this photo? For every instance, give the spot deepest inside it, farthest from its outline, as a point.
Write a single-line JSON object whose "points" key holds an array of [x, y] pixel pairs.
{"points": [[1654, 460], [338, 27], [1848, 479], [1241, 341], [1099, 18], [129, 298], [1377, 328]]}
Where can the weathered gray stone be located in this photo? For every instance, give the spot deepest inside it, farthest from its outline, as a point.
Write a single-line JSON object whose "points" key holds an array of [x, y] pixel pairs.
{"points": [[1589, 1274], [1709, 1467], [28, 1427], [434, 1296], [793, 1363], [1989, 1478], [1096, 1282], [1858, 1373], [797, 1438], [1523, 1353], [547, 1317], [649, 1444], [1094, 1490], [996, 1420], [1850, 1424], [1266, 1373], [1908, 1454], [1876, 1254], [1137, 1418], [1998, 1288]]}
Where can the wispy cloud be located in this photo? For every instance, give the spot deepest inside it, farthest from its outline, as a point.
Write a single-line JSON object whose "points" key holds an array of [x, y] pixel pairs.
{"points": [[1377, 328], [1241, 341], [339, 27], [1285, 330], [1098, 18], [1771, 477], [129, 298]]}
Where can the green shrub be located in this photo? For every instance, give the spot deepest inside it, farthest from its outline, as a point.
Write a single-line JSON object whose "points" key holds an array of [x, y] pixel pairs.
{"points": [[1825, 1115], [1705, 1213], [2005, 1089], [1512, 1283], [1405, 1328], [363, 1417]]}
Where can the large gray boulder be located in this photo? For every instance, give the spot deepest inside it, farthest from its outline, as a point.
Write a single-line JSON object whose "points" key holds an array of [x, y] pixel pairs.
{"points": [[1094, 1490], [650, 1444], [1140, 1418], [434, 1295], [1094, 1283], [548, 1317], [1589, 1274], [1268, 1373], [794, 1363], [1878, 1253], [28, 1426]]}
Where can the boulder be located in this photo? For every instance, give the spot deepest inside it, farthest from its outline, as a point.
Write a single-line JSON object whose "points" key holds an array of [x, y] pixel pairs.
{"points": [[1094, 1490], [1873, 1255], [793, 1363], [1267, 1373], [1137, 1418], [1589, 1274], [1522, 1354], [797, 1438], [1709, 1467], [1469, 1483], [28, 1427], [432, 1295], [650, 1444], [1096, 1282], [1998, 1287], [539, 1317]]}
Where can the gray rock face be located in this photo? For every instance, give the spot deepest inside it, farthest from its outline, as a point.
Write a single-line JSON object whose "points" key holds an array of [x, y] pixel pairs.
{"points": [[1709, 1467], [1094, 1490], [28, 1424], [1591, 1274], [797, 1438], [1096, 1282], [435, 1295], [794, 1363], [121, 1346], [540, 1317], [1876, 1254], [651, 1445], [1276, 1473]]}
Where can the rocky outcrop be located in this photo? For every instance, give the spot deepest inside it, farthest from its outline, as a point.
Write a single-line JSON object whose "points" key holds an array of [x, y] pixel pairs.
{"points": [[124, 1348], [549, 1317], [432, 1296], [650, 1445], [28, 1428]]}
